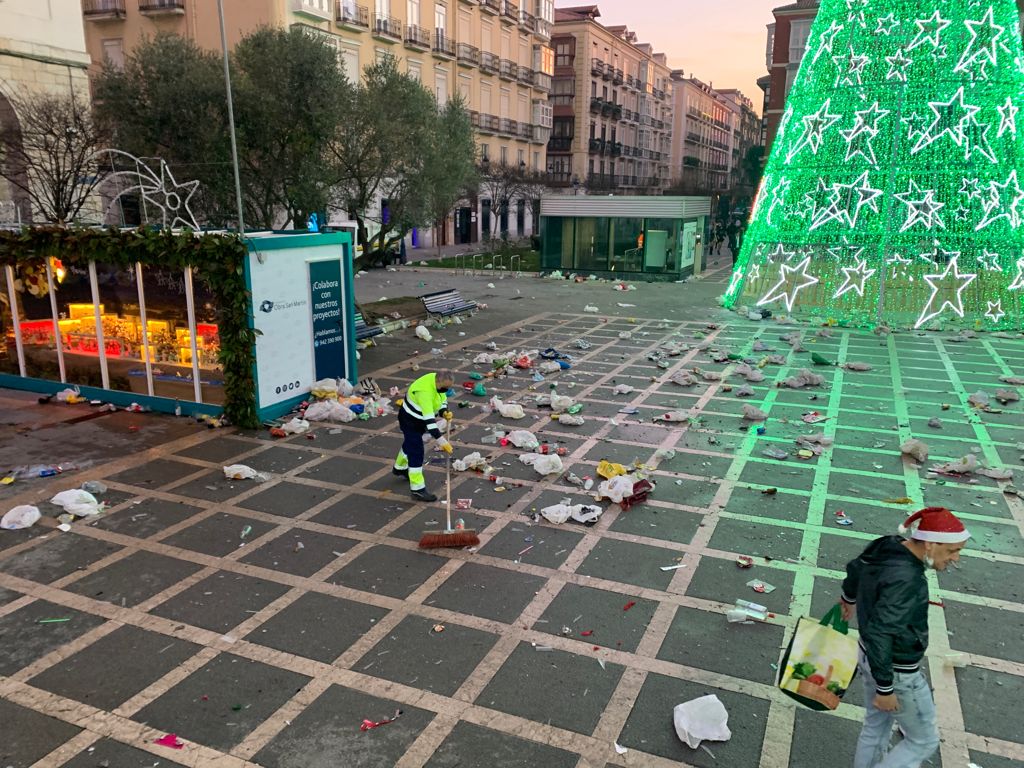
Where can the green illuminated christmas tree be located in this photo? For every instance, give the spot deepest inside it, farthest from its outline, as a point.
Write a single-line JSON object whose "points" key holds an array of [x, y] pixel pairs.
{"points": [[893, 193]]}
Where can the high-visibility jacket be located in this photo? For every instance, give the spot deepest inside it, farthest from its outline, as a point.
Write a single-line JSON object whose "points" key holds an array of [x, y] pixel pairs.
{"points": [[424, 402]]}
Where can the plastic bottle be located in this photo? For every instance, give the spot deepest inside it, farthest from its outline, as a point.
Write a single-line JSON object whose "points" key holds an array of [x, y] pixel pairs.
{"points": [[177, 408]]}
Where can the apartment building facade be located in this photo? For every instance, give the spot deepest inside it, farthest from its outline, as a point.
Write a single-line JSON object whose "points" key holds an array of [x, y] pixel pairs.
{"points": [[42, 50], [701, 137], [495, 53], [611, 105], [746, 134]]}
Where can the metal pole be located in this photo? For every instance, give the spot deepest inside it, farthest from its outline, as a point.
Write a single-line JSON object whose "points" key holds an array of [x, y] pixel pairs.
{"points": [[231, 117]]}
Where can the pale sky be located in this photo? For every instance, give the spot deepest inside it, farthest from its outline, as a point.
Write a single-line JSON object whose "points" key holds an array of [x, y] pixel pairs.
{"points": [[718, 41]]}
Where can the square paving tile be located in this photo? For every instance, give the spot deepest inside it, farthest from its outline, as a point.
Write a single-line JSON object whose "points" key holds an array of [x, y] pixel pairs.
{"points": [[988, 578], [551, 546], [432, 520], [487, 592], [783, 505], [134, 579], [332, 723], [853, 485], [342, 470], [116, 667], [299, 552], [155, 473], [330, 438], [218, 450], [222, 702], [986, 760], [29, 736], [279, 459], [26, 639], [388, 571], [148, 518], [61, 555], [106, 752], [287, 499], [758, 540], [362, 513], [649, 727], [214, 486], [548, 687], [472, 746], [413, 654], [702, 639], [722, 581], [8, 595], [692, 493], [629, 563], [601, 613], [218, 535], [812, 730], [985, 631], [317, 626], [986, 698], [836, 550], [778, 474], [220, 601]]}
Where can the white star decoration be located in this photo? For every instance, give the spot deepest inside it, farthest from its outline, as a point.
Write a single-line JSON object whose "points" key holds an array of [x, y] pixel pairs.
{"points": [[971, 188], [1008, 118], [841, 200], [989, 260], [787, 288], [815, 126], [898, 64], [780, 254], [778, 198], [864, 131], [951, 278], [856, 9], [754, 273], [1003, 203], [851, 68], [899, 264], [1018, 280], [855, 277], [886, 24], [170, 197], [985, 42], [951, 116], [828, 40], [929, 31], [921, 210], [734, 283], [995, 311]]}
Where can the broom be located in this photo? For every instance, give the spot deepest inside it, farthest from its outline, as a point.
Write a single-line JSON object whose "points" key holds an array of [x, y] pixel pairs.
{"points": [[449, 537]]}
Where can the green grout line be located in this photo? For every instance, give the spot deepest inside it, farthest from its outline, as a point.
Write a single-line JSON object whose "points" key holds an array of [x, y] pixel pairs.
{"points": [[980, 431]]}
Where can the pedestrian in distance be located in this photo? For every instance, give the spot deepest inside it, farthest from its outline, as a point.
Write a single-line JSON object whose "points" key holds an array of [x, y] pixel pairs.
{"points": [[423, 412], [887, 589]]}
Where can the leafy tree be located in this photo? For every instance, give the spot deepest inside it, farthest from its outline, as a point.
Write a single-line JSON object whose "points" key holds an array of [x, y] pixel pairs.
{"points": [[753, 166], [450, 173], [50, 154], [290, 92], [378, 153]]}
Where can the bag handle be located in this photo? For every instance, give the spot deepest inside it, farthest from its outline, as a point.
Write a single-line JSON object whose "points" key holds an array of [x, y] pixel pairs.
{"points": [[834, 619]]}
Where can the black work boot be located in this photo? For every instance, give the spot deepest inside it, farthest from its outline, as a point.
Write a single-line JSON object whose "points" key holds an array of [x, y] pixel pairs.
{"points": [[423, 494], [400, 472]]}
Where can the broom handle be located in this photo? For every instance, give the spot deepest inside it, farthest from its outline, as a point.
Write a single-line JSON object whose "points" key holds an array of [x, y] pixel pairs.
{"points": [[448, 476]]}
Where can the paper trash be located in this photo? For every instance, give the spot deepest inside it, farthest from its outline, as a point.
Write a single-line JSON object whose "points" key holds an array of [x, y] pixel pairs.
{"points": [[581, 513], [703, 719]]}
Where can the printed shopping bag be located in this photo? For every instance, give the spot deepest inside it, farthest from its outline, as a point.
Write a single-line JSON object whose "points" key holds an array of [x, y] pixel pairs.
{"points": [[820, 662]]}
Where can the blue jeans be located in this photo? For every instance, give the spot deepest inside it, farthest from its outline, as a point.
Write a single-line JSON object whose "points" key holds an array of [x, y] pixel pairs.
{"points": [[915, 716]]}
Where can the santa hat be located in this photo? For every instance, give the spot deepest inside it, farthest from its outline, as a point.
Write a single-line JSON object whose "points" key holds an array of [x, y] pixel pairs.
{"points": [[936, 524]]}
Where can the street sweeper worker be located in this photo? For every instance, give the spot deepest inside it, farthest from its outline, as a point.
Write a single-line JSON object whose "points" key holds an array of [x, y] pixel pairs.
{"points": [[887, 589], [424, 411]]}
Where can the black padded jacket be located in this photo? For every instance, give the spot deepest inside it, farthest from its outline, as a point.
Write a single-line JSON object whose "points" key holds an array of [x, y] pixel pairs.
{"points": [[887, 584]]}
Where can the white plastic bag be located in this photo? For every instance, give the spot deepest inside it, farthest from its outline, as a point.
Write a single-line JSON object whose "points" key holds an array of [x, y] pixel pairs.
{"points": [[571, 420], [591, 309], [508, 410], [751, 413], [561, 403], [617, 488], [581, 513], [703, 719], [622, 389], [21, 516], [77, 502], [544, 464], [524, 439], [472, 461], [296, 426], [962, 466], [325, 388], [916, 449], [243, 472], [329, 410], [423, 334], [549, 366]]}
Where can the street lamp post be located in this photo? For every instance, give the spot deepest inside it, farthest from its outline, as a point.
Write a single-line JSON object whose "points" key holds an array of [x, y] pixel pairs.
{"points": [[231, 118]]}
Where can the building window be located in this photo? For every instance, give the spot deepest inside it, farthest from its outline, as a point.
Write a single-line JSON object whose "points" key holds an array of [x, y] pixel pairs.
{"points": [[504, 155], [441, 17], [415, 70], [485, 152], [441, 86], [412, 9], [536, 161], [798, 34], [564, 55], [113, 51], [521, 158], [350, 63], [790, 75], [383, 7]]}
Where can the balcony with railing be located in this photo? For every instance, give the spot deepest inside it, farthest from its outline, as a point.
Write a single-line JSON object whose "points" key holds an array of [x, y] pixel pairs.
{"points": [[527, 20], [559, 178], [387, 28], [444, 46], [616, 148], [525, 75], [595, 104], [560, 144], [596, 146], [488, 124], [508, 70], [539, 134], [508, 127], [491, 6], [165, 7], [542, 81], [510, 12], [616, 112], [417, 37], [617, 77], [351, 16], [489, 62], [596, 67], [468, 55], [542, 28], [471, 2], [103, 10], [602, 181]]}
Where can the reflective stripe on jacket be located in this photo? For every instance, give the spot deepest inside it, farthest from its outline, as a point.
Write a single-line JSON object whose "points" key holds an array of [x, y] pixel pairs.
{"points": [[423, 401]]}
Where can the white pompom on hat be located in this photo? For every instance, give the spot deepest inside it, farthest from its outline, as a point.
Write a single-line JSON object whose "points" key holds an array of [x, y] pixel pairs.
{"points": [[935, 524]]}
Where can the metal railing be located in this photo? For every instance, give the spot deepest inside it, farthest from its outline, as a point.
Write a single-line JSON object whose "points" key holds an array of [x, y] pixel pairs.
{"points": [[387, 26], [103, 8], [161, 6], [353, 15], [489, 62], [508, 69], [416, 36], [491, 6], [443, 44], [469, 54]]}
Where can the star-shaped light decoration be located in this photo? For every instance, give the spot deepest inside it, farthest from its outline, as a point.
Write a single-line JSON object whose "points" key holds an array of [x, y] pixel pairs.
{"points": [[989, 261], [171, 198], [899, 62], [779, 192], [1008, 118], [1018, 280], [929, 31], [886, 25], [995, 311], [792, 280], [734, 283], [842, 206], [950, 119], [854, 279], [962, 212], [780, 254], [976, 140], [899, 264], [1003, 203], [922, 208], [971, 188], [827, 41], [947, 292], [754, 273], [855, 10], [815, 126], [986, 40], [851, 67], [915, 124], [864, 130]]}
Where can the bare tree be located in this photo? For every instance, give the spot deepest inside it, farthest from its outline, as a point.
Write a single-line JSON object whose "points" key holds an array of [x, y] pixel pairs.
{"points": [[52, 160], [503, 183]]}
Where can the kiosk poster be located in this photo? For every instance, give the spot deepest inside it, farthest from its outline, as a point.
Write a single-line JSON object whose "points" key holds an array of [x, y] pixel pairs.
{"points": [[326, 307]]}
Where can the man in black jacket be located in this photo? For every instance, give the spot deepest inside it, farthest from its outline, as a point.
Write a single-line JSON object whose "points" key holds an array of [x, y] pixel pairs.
{"points": [[887, 587]]}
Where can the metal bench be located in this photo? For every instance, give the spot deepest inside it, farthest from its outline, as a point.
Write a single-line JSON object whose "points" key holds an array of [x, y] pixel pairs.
{"points": [[446, 303], [364, 331]]}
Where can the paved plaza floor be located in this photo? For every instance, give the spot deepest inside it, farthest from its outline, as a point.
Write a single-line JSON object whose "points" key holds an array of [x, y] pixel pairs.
{"points": [[264, 623]]}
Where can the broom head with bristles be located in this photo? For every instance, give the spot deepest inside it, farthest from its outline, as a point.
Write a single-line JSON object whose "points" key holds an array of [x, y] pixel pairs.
{"points": [[461, 537]]}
